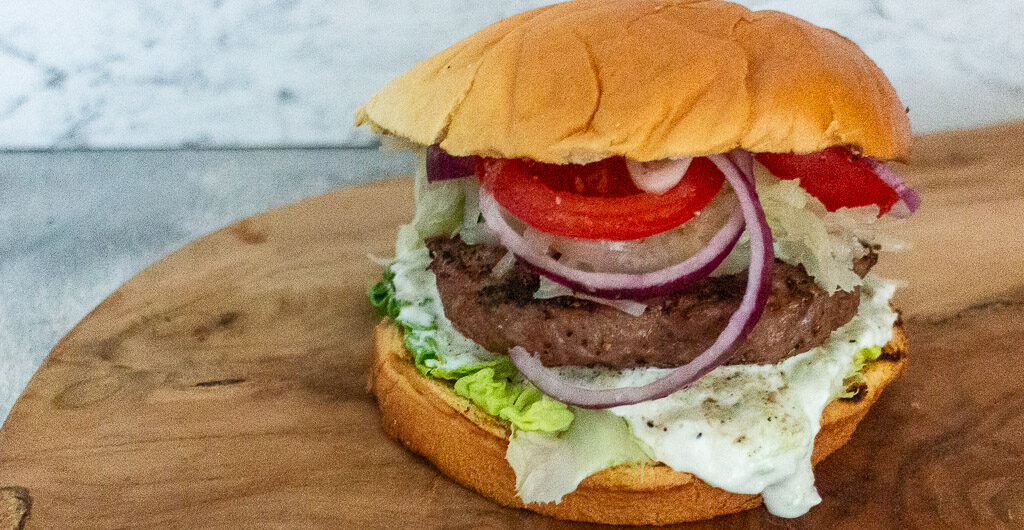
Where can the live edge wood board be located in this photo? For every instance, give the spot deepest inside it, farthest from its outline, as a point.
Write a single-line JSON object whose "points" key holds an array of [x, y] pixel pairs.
{"points": [[225, 386]]}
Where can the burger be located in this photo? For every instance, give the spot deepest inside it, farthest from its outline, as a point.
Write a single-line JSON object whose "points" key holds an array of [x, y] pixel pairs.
{"points": [[637, 287]]}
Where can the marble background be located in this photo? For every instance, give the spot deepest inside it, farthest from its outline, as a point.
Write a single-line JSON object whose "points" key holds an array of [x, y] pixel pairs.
{"points": [[151, 73], [77, 75]]}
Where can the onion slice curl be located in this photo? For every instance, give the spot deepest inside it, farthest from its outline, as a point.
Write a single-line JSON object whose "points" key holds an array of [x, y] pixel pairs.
{"points": [[658, 176], [908, 196], [443, 166], [762, 257], [616, 285]]}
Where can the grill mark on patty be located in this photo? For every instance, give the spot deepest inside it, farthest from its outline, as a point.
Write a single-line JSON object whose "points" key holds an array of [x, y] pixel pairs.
{"points": [[500, 313]]}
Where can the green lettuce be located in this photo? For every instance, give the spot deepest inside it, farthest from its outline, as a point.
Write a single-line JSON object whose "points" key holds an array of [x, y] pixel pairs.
{"points": [[864, 356], [522, 405], [550, 465], [855, 377], [494, 385], [382, 296]]}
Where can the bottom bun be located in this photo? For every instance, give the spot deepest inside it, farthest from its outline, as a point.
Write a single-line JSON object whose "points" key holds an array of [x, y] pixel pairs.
{"points": [[469, 445]]}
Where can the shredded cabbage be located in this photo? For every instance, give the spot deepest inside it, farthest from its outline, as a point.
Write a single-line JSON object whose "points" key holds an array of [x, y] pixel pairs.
{"points": [[801, 236], [448, 207], [439, 205], [473, 230], [825, 243]]}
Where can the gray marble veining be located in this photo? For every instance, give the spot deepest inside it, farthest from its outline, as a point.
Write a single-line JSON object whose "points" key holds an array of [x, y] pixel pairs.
{"points": [[148, 73]]}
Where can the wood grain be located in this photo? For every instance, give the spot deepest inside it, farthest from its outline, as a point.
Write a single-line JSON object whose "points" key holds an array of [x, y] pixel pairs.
{"points": [[15, 506], [224, 386]]}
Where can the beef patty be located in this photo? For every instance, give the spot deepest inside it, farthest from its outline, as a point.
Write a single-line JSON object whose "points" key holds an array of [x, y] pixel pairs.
{"points": [[500, 313]]}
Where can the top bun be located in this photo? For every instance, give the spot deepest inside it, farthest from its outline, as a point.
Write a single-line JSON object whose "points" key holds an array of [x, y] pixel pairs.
{"points": [[583, 80]]}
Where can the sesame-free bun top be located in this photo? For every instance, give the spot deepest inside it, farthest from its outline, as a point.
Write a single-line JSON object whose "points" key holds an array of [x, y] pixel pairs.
{"points": [[584, 80]]}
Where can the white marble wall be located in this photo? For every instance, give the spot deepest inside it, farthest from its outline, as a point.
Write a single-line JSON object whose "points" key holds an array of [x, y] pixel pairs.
{"points": [[153, 73]]}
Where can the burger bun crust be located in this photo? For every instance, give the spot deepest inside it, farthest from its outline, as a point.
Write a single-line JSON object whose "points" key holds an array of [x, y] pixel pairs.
{"points": [[469, 445], [646, 79]]}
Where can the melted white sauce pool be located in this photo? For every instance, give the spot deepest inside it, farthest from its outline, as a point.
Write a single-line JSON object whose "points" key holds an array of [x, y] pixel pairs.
{"points": [[750, 428]]}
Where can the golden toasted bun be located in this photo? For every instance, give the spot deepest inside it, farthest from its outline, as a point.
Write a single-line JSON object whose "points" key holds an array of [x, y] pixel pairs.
{"points": [[469, 445], [588, 79]]}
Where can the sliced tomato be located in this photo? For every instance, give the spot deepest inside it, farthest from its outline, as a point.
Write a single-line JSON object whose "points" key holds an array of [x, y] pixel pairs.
{"points": [[835, 176], [595, 201]]}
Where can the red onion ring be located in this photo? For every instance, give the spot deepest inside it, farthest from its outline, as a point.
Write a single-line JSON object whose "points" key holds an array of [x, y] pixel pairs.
{"points": [[744, 160], [443, 166], [762, 257], [908, 196], [615, 285]]}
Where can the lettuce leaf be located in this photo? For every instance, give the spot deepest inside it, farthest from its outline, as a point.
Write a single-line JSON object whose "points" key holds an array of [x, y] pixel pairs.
{"points": [[382, 296], [548, 466], [864, 356], [856, 374], [520, 404]]}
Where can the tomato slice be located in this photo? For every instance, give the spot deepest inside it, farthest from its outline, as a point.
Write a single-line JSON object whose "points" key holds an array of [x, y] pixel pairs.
{"points": [[595, 201], [835, 176]]}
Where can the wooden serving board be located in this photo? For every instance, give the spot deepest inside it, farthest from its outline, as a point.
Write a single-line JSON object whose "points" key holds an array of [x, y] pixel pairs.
{"points": [[226, 384]]}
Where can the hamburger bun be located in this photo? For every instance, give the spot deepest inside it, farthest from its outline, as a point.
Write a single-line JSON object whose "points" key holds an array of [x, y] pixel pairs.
{"points": [[579, 81], [469, 445]]}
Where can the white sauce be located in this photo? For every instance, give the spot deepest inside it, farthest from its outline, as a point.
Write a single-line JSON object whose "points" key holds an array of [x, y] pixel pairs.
{"points": [[750, 428], [417, 285], [747, 428]]}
